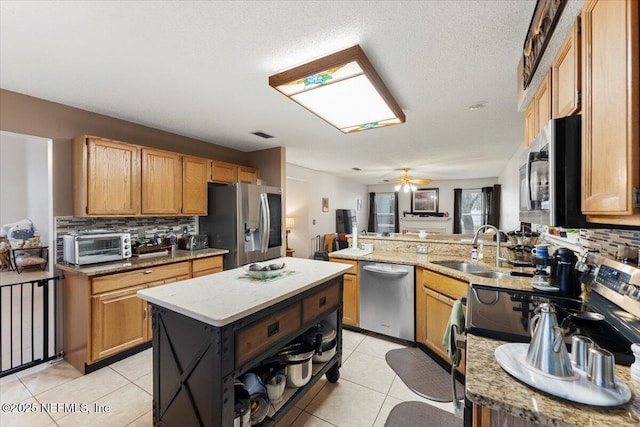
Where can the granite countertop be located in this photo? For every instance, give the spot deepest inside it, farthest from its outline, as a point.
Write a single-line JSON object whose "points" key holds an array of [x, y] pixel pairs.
{"points": [[222, 298], [137, 262], [464, 239], [487, 384], [427, 261]]}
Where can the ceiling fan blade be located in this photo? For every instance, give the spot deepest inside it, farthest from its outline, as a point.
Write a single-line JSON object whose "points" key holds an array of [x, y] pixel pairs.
{"points": [[420, 181]]}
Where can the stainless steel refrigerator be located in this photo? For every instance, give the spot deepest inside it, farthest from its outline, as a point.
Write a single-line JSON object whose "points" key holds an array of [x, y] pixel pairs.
{"points": [[245, 219]]}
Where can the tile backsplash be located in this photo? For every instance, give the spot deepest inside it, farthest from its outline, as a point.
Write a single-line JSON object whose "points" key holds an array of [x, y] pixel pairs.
{"points": [[607, 240], [137, 226]]}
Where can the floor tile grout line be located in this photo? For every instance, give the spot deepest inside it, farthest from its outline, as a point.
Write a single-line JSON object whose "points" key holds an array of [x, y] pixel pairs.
{"points": [[320, 418], [143, 415]]}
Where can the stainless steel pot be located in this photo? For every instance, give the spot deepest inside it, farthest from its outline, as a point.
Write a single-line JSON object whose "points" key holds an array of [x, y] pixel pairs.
{"points": [[323, 338], [298, 367]]}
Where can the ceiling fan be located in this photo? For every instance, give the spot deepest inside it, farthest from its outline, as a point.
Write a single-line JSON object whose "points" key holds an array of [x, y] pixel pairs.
{"points": [[408, 183]]}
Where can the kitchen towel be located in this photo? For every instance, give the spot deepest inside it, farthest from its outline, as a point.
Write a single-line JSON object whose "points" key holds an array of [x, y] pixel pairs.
{"points": [[456, 318]]}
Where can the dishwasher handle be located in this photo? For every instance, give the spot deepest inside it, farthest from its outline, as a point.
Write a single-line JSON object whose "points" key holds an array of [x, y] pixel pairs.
{"points": [[385, 271]]}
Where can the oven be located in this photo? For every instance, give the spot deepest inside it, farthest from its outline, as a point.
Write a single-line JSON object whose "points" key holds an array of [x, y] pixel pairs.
{"points": [[613, 289]]}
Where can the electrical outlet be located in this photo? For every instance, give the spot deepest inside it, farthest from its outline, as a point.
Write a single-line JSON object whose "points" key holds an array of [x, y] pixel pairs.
{"points": [[313, 222]]}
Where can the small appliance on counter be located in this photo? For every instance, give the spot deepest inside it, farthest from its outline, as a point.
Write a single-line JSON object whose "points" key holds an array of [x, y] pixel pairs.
{"points": [[556, 273], [95, 246], [193, 242]]}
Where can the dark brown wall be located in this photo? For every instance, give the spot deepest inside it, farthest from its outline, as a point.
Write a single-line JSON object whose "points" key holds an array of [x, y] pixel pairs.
{"points": [[33, 116]]}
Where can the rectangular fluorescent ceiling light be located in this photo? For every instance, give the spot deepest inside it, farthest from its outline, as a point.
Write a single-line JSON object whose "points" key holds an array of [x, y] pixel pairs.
{"points": [[343, 89]]}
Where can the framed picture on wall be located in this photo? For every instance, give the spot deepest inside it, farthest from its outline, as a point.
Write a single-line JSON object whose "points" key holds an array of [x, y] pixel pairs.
{"points": [[325, 204], [424, 200]]}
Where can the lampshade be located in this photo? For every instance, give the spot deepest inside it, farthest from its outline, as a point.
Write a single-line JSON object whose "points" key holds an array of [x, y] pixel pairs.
{"points": [[289, 223], [343, 89]]}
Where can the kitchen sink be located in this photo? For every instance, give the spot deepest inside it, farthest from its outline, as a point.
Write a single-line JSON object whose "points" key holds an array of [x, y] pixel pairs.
{"points": [[465, 267], [492, 274]]}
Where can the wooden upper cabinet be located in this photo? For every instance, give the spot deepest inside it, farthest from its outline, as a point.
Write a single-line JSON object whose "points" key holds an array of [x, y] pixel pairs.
{"points": [[542, 104], [610, 124], [566, 75], [195, 176], [529, 124], [224, 173], [161, 182], [247, 175], [106, 177], [538, 113]]}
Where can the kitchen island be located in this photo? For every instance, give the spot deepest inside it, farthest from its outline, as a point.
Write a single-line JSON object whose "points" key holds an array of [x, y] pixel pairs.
{"points": [[210, 330]]}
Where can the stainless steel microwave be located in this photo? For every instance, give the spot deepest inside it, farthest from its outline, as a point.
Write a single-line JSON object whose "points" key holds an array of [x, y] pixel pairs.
{"points": [[92, 248], [550, 176]]}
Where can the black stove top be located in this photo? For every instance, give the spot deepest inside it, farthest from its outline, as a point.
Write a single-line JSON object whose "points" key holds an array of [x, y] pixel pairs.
{"points": [[506, 314]]}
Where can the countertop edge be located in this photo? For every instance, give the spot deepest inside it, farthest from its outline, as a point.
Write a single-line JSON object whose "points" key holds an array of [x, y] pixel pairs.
{"points": [[162, 302], [136, 263]]}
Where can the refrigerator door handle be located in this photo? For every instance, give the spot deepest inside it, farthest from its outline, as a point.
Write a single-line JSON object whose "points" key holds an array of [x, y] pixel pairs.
{"points": [[266, 221]]}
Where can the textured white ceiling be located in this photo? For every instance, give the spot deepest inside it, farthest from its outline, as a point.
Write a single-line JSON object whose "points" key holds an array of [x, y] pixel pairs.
{"points": [[201, 69]]}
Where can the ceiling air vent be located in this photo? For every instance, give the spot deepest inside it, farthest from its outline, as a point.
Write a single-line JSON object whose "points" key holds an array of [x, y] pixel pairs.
{"points": [[262, 134]]}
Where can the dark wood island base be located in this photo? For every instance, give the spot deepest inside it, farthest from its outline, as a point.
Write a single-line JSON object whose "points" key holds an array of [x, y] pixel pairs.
{"points": [[196, 364]]}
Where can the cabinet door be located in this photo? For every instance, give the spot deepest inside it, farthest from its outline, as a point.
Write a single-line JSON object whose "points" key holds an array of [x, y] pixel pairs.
{"points": [[161, 182], [565, 75], [542, 102], [118, 322], [247, 175], [195, 176], [112, 178], [529, 124], [225, 173], [438, 309], [351, 300], [610, 125]]}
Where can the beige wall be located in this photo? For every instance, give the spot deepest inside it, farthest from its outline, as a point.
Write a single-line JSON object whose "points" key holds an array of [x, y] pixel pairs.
{"points": [[33, 116]]}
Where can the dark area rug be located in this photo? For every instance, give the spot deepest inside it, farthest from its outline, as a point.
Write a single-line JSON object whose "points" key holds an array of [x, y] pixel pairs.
{"points": [[422, 374], [419, 414]]}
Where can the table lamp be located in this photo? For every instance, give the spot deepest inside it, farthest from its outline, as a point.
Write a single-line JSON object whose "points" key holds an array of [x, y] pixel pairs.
{"points": [[289, 224]]}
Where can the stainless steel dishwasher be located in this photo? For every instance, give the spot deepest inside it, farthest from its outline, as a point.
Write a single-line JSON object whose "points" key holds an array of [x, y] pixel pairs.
{"points": [[387, 295]]}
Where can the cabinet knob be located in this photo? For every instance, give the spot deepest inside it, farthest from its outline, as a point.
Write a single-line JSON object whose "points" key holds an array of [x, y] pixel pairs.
{"points": [[148, 271]]}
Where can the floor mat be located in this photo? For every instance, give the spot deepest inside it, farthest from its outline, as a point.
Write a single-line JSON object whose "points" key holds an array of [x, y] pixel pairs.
{"points": [[419, 414], [422, 374]]}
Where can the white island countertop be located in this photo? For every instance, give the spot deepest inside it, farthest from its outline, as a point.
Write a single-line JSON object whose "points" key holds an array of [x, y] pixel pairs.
{"points": [[222, 298]]}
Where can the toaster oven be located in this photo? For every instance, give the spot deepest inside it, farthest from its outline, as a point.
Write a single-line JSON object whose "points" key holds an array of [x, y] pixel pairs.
{"points": [[91, 248]]}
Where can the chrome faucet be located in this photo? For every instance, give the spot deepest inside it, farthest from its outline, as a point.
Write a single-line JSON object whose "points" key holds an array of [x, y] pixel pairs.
{"points": [[474, 242]]}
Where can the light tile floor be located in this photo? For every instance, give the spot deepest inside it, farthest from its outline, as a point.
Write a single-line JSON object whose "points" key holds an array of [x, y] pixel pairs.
{"points": [[365, 394]]}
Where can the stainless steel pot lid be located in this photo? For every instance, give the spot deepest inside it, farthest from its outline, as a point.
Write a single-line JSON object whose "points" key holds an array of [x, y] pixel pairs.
{"points": [[324, 329], [298, 351]]}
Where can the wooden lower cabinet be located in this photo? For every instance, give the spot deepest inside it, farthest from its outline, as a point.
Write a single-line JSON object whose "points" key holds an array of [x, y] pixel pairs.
{"points": [[205, 266], [350, 293], [435, 295], [103, 315], [351, 300], [118, 322]]}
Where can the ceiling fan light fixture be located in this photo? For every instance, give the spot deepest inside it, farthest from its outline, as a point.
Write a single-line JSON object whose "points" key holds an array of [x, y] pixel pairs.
{"points": [[397, 187], [343, 89]]}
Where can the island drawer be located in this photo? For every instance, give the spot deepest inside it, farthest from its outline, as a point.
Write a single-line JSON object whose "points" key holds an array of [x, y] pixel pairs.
{"points": [[153, 274], [260, 335], [320, 303]]}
